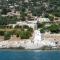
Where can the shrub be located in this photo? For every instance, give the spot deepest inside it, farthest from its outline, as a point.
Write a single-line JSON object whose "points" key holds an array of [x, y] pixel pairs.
{"points": [[30, 29], [25, 26], [25, 34], [54, 28], [42, 30], [17, 26], [10, 27], [17, 33], [7, 35], [40, 25], [2, 33]]}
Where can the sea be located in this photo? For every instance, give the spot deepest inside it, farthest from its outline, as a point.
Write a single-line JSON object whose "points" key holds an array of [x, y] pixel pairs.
{"points": [[29, 55]]}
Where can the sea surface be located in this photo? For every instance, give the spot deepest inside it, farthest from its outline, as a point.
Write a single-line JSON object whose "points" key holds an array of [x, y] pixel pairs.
{"points": [[29, 55]]}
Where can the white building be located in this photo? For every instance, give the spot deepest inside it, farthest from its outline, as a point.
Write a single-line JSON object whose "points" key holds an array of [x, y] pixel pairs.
{"points": [[32, 24], [40, 19]]}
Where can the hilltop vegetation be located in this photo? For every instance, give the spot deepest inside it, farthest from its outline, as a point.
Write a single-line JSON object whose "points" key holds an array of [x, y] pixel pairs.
{"points": [[37, 7], [43, 8]]}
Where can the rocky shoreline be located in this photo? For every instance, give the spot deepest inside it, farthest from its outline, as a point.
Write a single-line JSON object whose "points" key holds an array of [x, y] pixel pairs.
{"points": [[35, 43], [22, 45]]}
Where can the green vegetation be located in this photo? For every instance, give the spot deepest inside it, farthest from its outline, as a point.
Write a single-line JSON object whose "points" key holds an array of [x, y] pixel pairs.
{"points": [[54, 28], [8, 20], [50, 17], [23, 32], [44, 8], [17, 26], [40, 25], [23, 15], [42, 30], [17, 33], [5, 11], [2, 33], [37, 7], [7, 35], [30, 29], [26, 27]]}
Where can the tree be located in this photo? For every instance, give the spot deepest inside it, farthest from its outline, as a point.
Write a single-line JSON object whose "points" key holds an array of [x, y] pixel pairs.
{"points": [[30, 29], [42, 30], [3, 20], [17, 26], [54, 28], [17, 34], [5, 11], [51, 18], [7, 35], [26, 27], [40, 25], [22, 17], [24, 35], [2, 33]]}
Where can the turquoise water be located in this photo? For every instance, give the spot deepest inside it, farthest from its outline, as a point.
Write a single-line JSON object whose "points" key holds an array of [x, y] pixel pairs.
{"points": [[29, 55]]}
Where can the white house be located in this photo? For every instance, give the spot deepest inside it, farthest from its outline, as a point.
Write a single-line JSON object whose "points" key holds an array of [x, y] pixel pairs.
{"points": [[40, 19], [32, 24]]}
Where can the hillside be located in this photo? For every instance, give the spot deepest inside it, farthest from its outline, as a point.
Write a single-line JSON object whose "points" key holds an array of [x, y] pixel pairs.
{"points": [[37, 7]]}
